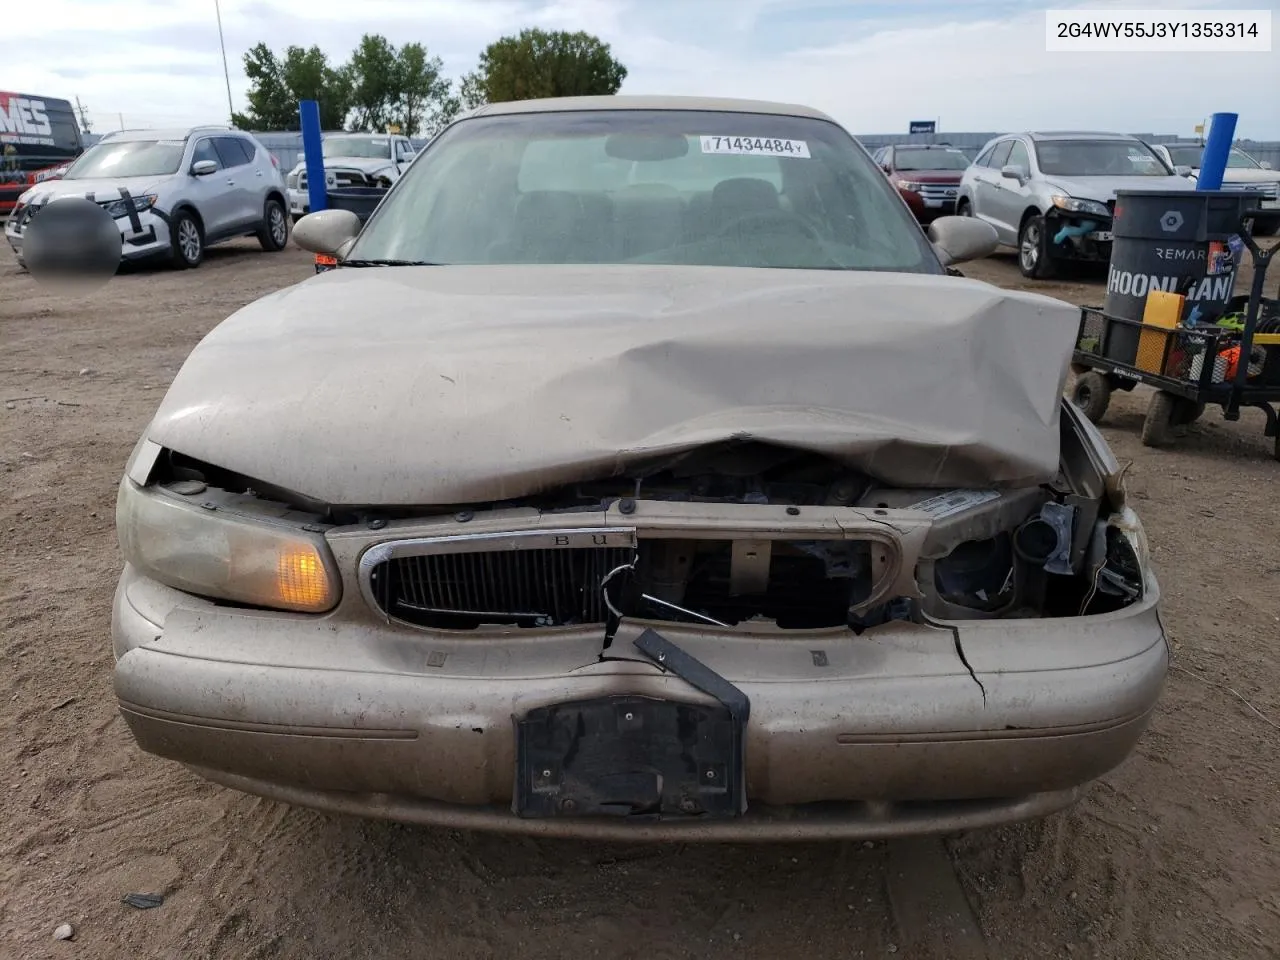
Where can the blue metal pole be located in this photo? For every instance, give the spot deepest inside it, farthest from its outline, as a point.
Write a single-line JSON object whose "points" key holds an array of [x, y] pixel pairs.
{"points": [[1213, 162], [313, 154]]}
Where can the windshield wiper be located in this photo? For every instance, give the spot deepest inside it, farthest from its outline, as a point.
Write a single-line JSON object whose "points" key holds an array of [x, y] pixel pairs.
{"points": [[387, 263]]}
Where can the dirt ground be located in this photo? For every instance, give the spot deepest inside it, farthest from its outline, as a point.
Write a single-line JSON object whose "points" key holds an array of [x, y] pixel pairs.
{"points": [[1175, 854]]}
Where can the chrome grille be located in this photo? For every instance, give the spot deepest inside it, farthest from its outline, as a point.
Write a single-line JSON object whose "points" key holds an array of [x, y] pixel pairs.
{"points": [[1263, 191], [944, 192], [532, 587], [341, 178]]}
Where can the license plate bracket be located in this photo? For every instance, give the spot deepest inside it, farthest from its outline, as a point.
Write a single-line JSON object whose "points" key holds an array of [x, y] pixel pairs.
{"points": [[629, 756]]}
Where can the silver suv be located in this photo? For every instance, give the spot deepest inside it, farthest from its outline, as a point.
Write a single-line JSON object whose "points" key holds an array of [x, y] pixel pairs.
{"points": [[1051, 195], [173, 193]]}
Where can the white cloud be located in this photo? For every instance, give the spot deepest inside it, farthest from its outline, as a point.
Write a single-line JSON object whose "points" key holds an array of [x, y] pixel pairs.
{"points": [[873, 64]]}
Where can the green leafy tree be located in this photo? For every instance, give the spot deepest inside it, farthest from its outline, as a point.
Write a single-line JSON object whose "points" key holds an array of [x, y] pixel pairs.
{"points": [[538, 63], [308, 76], [268, 97], [276, 85], [374, 70], [423, 93], [471, 91]]}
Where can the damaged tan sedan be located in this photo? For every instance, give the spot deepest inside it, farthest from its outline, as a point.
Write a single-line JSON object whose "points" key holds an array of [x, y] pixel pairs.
{"points": [[642, 472]]}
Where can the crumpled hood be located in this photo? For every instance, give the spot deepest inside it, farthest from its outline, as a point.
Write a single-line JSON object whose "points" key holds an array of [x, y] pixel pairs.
{"points": [[470, 384], [103, 189], [1103, 189]]}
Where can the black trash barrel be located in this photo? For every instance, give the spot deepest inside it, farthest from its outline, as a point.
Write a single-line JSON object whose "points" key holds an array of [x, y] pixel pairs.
{"points": [[1175, 241], [359, 200]]}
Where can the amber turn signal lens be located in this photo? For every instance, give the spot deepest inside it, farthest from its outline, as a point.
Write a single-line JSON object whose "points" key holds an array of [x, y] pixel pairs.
{"points": [[302, 580]]}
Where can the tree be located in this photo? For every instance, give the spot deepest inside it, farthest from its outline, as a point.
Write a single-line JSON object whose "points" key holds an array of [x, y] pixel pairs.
{"points": [[375, 83], [308, 76], [538, 63], [471, 91], [276, 86], [423, 92], [268, 98]]}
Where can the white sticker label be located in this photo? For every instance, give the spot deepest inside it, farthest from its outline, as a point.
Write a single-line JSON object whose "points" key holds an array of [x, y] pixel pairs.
{"points": [[944, 505], [764, 146]]}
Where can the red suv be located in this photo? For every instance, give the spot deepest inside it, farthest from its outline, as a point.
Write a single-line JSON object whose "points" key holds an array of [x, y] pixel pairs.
{"points": [[927, 176]]}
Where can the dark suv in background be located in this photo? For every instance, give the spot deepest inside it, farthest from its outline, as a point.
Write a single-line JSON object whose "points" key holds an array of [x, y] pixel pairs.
{"points": [[927, 176]]}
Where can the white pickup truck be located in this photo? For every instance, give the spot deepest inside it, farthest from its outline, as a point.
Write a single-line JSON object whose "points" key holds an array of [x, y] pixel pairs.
{"points": [[352, 160], [1243, 173]]}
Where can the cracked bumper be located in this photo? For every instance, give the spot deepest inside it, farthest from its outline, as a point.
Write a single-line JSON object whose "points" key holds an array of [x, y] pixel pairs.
{"points": [[891, 728]]}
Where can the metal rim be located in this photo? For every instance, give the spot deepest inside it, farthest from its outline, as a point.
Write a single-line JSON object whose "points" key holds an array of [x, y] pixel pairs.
{"points": [[275, 222], [1029, 250], [189, 240]]}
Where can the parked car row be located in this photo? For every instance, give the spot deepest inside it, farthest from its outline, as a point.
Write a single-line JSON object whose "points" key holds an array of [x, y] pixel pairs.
{"points": [[173, 193], [1052, 195]]}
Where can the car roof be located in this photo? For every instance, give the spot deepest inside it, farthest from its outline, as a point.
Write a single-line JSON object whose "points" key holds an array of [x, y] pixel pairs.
{"points": [[1078, 135], [175, 133], [362, 134], [638, 102]]}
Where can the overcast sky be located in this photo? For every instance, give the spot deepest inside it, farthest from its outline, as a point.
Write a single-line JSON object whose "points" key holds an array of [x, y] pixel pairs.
{"points": [[873, 64]]}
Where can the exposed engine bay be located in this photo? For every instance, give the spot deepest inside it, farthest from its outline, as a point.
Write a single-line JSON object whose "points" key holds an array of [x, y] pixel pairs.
{"points": [[1055, 550]]}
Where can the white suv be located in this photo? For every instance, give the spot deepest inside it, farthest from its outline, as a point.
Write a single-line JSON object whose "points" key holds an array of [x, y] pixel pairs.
{"points": [[352, 160], [173, 193]]}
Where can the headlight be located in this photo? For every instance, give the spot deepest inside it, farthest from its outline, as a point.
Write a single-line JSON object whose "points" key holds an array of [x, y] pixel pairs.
{"points": [[223, 553], [910, 186], [118, 208], [1074, 205]]}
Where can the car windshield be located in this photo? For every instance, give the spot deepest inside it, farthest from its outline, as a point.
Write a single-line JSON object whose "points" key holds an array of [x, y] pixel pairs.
{"points": [[904, 159], [1240, 160], [128, 158], [1186, 156], [373, 148], [1099, 158], [632, 186]]}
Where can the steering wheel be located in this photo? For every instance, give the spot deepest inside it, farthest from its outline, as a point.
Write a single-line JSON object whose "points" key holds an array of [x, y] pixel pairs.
{"points": [[781, 217]]}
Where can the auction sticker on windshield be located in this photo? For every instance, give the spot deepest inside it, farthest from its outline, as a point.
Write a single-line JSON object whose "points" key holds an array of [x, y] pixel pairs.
{"points": [[763, 146]]}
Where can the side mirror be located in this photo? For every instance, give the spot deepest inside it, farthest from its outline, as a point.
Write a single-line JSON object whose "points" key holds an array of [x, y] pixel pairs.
{"points": [[302, 157], [1013, 172], [1182, 170], [1265, 164], [959, 239], [326, 231], [202, 168]]}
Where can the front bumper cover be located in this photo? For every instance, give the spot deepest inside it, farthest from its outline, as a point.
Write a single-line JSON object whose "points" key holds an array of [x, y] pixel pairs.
{"points": [[883, 734]]}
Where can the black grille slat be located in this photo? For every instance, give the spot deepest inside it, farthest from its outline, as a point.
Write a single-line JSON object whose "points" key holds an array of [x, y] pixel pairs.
{"points": [[524, 587]]}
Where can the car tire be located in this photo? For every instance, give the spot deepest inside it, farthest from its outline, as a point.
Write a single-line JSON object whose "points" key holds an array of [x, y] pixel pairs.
{"points": [[187, 239], [1034, 259], [964, 208], [1157, 428], [1092, 394], [273, 235]]}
